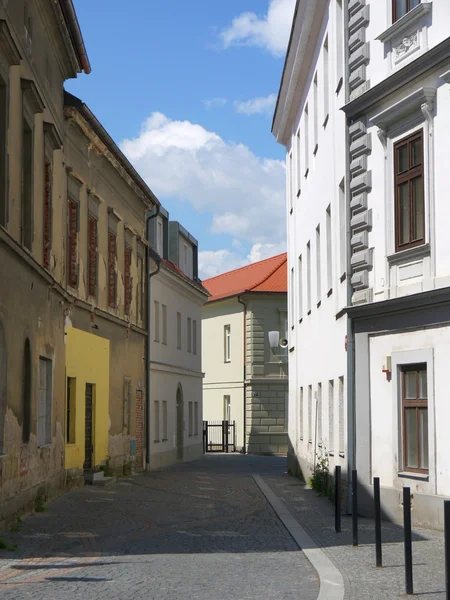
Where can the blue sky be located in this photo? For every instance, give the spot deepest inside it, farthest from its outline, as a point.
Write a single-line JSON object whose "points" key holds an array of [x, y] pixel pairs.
{"points": [[187, 90]]}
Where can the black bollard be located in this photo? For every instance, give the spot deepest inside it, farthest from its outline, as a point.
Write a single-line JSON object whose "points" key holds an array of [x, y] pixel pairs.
{"points": [[377, 507], [337, 499], [408, 539], [355, 506], [447, 547]]}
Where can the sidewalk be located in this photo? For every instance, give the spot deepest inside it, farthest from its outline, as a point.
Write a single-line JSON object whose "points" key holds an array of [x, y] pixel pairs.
{"points": [[357, 565]]}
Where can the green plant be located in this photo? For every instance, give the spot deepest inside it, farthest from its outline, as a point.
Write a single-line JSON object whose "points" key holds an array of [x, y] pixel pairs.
{"points": [[39, 503], [319, 480], [6, 546], [106, 468], [17, 525]]}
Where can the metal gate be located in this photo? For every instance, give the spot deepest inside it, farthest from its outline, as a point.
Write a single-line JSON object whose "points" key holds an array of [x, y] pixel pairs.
{"points": [[219, 436]]}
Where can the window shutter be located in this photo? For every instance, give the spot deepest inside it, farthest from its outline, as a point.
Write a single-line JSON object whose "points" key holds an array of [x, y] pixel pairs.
{"points": [[128, 286], [47, 212], [92, 267], [72, 244], [112, 270]]}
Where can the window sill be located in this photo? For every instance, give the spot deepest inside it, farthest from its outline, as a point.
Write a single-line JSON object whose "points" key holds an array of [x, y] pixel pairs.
{"points": [[291, 211], [227, 361], [412, 475], [339, 85], [164, 440], [325, 122], [156, 441], [409, 254], [343, 277], [316, 148], [300, 321], [319, 303], [400, 26], [330, 452], [301, 439], [309, 312], [306, 173], [330, 291], [46, 445], [342, 454], [298, 193]]}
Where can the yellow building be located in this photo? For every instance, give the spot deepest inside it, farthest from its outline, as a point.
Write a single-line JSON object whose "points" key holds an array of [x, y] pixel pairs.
{"points": [[87, 410]]}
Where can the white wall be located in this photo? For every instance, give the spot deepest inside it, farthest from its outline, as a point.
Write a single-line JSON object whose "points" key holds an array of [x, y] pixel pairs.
{"points": [[317, 339]]}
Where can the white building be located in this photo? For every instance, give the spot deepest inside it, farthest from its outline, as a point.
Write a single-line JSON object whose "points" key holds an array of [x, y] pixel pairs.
{"points": [[245, 379], [176, 299], [391, 132]]}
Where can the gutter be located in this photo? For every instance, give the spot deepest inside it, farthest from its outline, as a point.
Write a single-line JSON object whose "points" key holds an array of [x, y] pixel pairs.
{"points": [[244, 449], [150, 254], [75, 34]]}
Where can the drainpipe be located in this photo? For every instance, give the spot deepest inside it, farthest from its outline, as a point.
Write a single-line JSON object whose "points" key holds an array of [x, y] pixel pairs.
{"points": [[351, 423], [244, 449], [151, 254]]}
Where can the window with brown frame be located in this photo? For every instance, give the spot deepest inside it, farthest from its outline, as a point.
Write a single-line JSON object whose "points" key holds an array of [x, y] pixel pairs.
{"points": [[92, 255], [112, 270], [401, 7], [128, 279], [415, 417], [72, 241], [47, 212], [409, 192]]}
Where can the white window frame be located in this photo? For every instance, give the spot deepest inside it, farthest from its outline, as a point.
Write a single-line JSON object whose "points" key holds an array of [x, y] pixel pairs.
{"points": [[156, 321], [227, 343]]}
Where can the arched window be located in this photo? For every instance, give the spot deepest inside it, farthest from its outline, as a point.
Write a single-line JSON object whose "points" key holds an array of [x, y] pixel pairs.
{"points": [[26, 392], [3, 371]]}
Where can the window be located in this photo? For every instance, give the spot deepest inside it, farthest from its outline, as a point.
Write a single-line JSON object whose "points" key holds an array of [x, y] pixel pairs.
{"points": [[326, 83], [3, 153], [329, 252], [156, 320], [194, 337], [27, 184], [126, 405], [140, 296], [339, 45], [302, 422], [195, 418], [156, 420], [401, 7], [44, 412], [164, 323], [308, 277], [310, 429], [92, 255], [290, 183], [342, 231], [189, 334], [159, 237], [179, 331], [48, 211], [128, 283], [319, 414], [226, 408], [26, 391], [227, 343], [331, 416], [72, 242], [70, 409], [298, 162], [409, 192], [316, 115], [341, 417], [306, 139], [112, 278], [164, 421], [415, 417], [191, 418], [318, 274], [300, 288], [291, 296]]}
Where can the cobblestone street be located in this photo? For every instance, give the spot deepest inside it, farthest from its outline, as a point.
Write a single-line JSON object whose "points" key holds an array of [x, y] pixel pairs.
{"points": [[198, 531]]}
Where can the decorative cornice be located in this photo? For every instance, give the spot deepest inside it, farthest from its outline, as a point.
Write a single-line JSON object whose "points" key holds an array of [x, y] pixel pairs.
{"points": [[52, 136], [7, 45], [445, 76], [113, 213], [409, 255], [32, 95], [93, 194], [406, 106], [403, 24], [402, 77]]}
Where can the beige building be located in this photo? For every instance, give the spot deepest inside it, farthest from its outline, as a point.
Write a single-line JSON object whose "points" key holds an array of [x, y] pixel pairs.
{"points": [[245, 367], [176, 300], [40, 47]]}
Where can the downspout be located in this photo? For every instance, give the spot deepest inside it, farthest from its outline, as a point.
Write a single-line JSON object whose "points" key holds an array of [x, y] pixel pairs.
{"points": [[244, 449], [151, 254], [351, 429]]}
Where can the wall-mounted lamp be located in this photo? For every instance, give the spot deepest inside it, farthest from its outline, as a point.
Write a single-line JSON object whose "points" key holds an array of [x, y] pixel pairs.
{"points": [[276, 342]]}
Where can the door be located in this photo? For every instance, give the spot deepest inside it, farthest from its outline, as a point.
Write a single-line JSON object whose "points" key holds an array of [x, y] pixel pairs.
{"points": [[88, 427], [180, 423]]}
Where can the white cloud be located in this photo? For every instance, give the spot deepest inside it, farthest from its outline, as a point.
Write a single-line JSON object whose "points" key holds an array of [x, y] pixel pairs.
{"points": [[244, 193], [215, 262], [215, 102], [270, 31], [263, 105]]}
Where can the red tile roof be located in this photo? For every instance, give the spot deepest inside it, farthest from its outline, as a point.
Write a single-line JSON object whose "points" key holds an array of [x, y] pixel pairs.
{"points": [[268, 275]]}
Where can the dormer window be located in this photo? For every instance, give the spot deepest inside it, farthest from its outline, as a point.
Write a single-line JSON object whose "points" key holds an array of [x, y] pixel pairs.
{"points": [[401, 7]]}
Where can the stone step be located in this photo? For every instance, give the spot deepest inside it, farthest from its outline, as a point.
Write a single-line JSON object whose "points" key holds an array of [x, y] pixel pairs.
{"points": [[104, 481]]}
